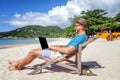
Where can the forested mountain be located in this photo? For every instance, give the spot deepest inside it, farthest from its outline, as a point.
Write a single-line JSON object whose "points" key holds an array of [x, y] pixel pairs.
{"points": [[33, 31]]}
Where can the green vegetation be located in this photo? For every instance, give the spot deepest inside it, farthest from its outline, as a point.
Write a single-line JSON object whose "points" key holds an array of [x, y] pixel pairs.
{"points": [[97, 19], [33, 31]]}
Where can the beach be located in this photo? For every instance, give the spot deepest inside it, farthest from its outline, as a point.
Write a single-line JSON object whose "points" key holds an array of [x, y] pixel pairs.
{"points": [[103, 58]]}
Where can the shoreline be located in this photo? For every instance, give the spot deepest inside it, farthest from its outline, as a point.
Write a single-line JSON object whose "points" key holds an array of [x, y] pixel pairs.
{"points": [[52, 41], [14, 45], [49, 40]]}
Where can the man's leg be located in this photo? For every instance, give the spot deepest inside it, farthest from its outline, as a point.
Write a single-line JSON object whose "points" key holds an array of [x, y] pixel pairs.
{"points": [[29, 58]]}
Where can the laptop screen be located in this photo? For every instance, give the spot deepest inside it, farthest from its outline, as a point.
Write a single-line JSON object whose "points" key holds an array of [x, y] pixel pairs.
{"points": [[43, 42]]}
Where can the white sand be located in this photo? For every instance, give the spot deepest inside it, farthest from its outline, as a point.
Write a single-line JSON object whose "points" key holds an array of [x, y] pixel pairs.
{"points": [[99, 52]]}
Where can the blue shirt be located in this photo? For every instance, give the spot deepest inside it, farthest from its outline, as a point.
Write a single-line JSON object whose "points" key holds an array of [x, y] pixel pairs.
{"points": [[81, 38]]}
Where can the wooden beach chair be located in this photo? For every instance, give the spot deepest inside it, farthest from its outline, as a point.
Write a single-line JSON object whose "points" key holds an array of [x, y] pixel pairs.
{"points": [[65, 57]]}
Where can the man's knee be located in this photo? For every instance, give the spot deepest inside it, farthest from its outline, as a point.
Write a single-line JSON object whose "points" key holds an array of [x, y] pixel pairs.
{"points": [[34, 52]]}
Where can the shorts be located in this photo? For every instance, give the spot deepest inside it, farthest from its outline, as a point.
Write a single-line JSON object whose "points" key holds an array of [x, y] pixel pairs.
{"points": [[51, 54]]}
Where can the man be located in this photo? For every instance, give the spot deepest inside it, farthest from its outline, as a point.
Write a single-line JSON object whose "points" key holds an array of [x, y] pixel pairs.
{"points": [[54, 51]]}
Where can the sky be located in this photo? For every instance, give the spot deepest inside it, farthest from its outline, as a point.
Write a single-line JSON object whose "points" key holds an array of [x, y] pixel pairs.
{"points": [[19, 13]]}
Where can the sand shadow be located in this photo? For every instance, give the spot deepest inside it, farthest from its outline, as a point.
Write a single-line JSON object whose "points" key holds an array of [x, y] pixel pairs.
{"points": [[55, 68], [92, 65]]}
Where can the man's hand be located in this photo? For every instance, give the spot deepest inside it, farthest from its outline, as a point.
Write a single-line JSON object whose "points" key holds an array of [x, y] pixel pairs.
{"points": [[52, 48]]}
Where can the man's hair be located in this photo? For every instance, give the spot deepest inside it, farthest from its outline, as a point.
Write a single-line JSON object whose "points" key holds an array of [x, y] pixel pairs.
{"points": [[82, 21]]}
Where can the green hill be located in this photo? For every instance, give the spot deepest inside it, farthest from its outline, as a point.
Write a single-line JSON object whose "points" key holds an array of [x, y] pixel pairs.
{"points": [[33, 31]]}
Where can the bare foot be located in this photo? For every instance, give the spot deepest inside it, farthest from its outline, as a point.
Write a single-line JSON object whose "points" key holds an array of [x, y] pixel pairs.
{"points": [[10, 62], [11, 68], [13, 65]]}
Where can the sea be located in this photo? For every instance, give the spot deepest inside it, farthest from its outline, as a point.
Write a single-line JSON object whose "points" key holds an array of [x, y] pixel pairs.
{"points": [[17, 41]]}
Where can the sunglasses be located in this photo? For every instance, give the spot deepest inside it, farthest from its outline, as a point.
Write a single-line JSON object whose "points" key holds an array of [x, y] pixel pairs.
{"points": [[77, 25]]}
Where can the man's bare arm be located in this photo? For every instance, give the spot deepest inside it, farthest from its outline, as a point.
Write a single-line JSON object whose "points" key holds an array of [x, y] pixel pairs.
{"points": [[66, 50], [57, 45]]}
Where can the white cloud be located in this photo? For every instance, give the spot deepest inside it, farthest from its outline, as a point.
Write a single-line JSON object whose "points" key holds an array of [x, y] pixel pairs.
{"points": [[59, 15], [17, 15], [112, 6]]}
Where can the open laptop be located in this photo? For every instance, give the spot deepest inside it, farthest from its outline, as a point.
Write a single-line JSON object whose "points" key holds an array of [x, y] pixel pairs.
{"points": [[43, 42]]}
